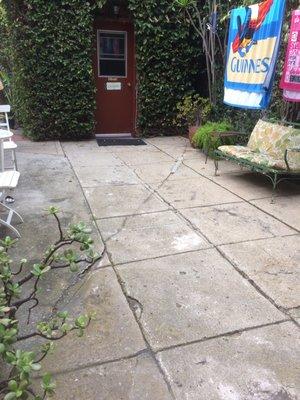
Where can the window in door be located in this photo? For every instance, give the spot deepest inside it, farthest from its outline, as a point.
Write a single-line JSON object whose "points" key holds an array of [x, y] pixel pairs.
{"points": [[112, 54]]}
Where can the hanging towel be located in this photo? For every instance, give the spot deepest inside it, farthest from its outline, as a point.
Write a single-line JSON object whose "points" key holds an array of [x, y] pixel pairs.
{"points": [[290, 81], [253, 46]]}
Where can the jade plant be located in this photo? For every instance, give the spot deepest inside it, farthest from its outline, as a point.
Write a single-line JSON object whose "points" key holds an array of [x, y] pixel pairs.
{"points": [[73, 250]]}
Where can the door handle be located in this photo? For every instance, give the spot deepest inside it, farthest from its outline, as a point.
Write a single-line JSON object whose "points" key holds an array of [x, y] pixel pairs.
{"points": [[128, 84]]}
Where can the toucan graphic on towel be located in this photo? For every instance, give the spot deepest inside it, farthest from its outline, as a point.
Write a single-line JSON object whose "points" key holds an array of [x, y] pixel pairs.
{"points": [[255, 16]]}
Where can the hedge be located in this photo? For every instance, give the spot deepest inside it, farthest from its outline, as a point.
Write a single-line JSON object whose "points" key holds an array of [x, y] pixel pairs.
{"points": [[53, 78]]}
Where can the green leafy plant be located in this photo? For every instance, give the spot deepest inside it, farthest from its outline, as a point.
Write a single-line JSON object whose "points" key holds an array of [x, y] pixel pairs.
{"points": [[204, 139], [193, 110], [72, 250]]}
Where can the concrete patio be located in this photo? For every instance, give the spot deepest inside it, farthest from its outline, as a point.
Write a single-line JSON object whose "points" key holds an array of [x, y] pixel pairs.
{"points": [[197, 297]]}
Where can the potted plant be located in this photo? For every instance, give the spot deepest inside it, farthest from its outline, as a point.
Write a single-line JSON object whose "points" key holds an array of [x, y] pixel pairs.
{"points": [[203, 138], [193, 111]]}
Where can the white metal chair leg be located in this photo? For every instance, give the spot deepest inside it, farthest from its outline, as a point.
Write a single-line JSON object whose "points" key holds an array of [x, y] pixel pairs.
{"points": [[9, 226], [14, 157], [10, 210]]}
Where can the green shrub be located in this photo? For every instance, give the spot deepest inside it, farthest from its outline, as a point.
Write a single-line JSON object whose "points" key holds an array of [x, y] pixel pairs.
{"points": [[193, 110], [205, 141]]}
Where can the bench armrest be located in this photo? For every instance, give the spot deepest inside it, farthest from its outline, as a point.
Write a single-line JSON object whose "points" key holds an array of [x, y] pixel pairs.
{"points": [[228, 134], [286, 155]]}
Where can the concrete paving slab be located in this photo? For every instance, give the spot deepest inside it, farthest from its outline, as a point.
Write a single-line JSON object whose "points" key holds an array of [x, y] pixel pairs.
{"points": [[195, 192], [161, 171], [49, 180], [178, 141], [273, 264], [93, 158], [191, 296], [208, 169], [143, 157], [287, 209], [137, 378], [187, 152], [148, 235], [113, 334], [230, 223], [82, 145], [27, 146], [132, 149], [105, 175], [295, 313], [261, 364], [116, 201]]}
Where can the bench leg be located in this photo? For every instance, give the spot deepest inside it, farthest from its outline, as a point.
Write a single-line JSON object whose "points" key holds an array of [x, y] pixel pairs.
{"points": [[216, 167], [274, 183]]}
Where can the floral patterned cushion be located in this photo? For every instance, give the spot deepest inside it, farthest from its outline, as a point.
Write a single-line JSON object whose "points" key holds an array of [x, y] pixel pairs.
{"points": [[267, 145], [244, 153], [272, 139]]}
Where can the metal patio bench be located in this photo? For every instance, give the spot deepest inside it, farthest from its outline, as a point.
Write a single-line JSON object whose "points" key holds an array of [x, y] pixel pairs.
{"points": [[272, 150]]}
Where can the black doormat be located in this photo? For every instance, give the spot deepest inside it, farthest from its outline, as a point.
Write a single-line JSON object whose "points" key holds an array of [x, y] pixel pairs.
{"points": [[125, 141]]}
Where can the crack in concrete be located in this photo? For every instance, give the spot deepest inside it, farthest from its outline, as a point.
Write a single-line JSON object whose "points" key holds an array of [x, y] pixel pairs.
{"points": [[136, 306]]}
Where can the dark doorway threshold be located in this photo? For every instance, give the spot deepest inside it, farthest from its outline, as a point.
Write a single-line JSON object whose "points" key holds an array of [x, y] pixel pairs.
{"points": [[119, 139]]}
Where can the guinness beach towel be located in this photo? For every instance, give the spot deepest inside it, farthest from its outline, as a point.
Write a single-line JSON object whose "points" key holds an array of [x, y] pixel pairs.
{"points": [[253, 44]]}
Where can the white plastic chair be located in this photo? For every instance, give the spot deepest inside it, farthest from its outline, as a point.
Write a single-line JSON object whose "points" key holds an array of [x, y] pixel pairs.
{"points": [[8, 181], [8, 144]]}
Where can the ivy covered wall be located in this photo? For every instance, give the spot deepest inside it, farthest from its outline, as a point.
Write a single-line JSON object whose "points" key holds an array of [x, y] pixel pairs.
{"points": [[167, 62], [52, 67]]}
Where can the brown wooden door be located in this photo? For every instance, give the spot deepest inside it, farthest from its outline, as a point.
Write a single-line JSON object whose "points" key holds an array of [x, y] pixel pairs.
{"points": [[115, 77]]}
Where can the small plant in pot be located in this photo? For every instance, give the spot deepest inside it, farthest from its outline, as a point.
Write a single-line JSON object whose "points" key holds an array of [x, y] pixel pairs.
{"points": [[203, 138], [193, 111]]}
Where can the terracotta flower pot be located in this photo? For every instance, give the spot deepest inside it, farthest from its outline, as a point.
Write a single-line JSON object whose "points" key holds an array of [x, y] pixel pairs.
{"points": [[192, 130]]}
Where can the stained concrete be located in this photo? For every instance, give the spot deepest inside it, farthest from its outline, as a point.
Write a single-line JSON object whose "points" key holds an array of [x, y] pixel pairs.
{"points": [[213, 311], [138, 157], [273, 264], [147, 236], [260, 364], [285, 208], [195, 192], [105, 175], [197, 295], [116, 201], [162, 171], [230, 223], [130, 379]]}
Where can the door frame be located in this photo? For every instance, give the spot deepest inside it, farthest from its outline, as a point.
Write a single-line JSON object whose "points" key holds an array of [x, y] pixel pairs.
{"points": [[97, 22]]}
